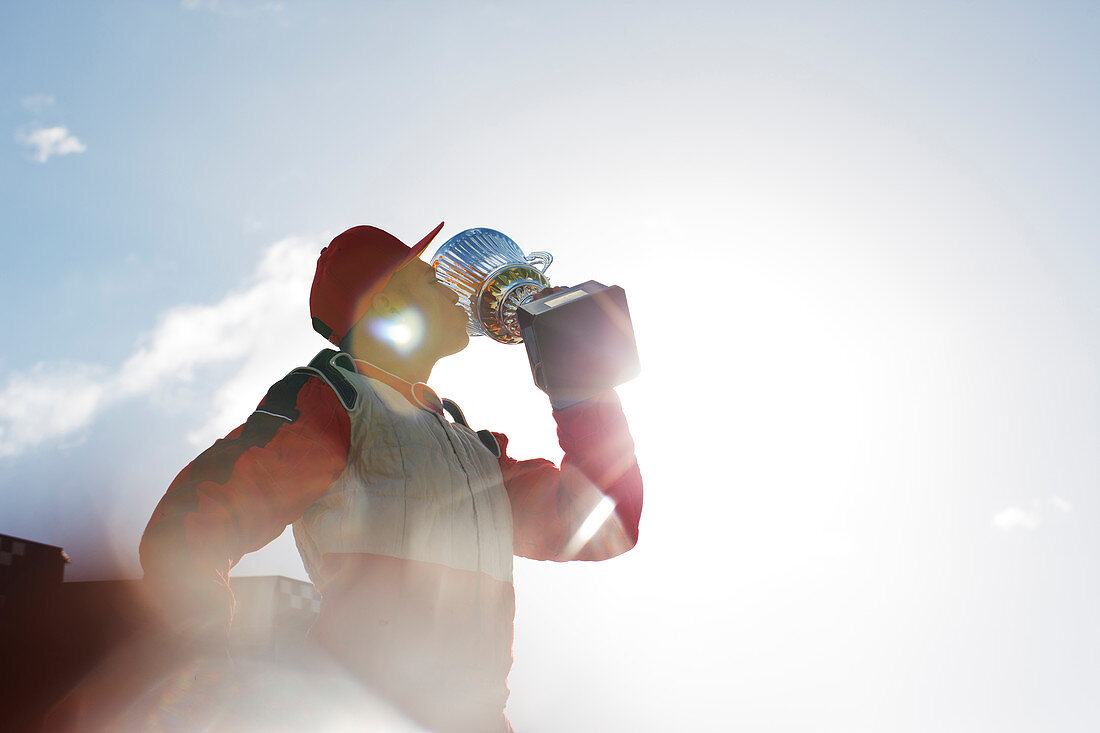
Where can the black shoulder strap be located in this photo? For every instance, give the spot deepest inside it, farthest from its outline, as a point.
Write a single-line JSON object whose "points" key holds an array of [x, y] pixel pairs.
{"points": [[327, 364], [455, 411], [485, 436], [489, 442], [281, 399]]}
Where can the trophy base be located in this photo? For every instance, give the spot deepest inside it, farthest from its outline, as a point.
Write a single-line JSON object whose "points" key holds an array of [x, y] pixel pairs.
{"points": [[580, 341]]}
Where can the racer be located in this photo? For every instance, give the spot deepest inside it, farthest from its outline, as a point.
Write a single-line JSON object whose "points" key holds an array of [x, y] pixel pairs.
{"points": [[406, 521]]}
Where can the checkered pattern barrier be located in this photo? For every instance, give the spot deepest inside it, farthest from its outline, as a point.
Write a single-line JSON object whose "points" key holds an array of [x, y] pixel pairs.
{"points": [[11, 549], [28, 571], [299, 595]]}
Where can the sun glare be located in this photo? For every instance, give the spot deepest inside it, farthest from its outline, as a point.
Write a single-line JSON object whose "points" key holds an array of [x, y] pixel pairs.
{"points": [[399, 333], [404, 332], [591, 525]]}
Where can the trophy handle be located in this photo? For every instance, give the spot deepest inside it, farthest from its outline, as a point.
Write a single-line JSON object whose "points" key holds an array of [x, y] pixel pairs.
{"points": [[540, 258]]}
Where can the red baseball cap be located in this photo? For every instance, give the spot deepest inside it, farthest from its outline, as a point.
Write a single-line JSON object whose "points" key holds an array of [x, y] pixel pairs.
{"points": [[351, 270]]}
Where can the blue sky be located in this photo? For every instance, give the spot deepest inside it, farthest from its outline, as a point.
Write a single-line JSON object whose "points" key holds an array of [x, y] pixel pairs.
{"points": [[859, 243]]}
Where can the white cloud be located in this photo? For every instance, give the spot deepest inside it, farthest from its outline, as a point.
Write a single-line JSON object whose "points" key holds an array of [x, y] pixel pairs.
{"points": [[1060, 504], [1015, 517], [51, 141], [272, 321], [262, 329], [37, 103], [49, 400]]}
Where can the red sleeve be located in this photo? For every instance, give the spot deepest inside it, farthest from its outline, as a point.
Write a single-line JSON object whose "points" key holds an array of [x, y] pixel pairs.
{"points": [[588, 509], [240, 494]]}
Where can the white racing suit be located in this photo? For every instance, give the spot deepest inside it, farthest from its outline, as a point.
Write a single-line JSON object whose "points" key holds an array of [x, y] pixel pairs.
{"points": [[406, 522]]}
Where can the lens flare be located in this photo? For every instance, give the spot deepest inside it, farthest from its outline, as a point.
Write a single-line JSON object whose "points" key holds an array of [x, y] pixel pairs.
{"points": [[590, 526], [404, 331], [399, 333]]}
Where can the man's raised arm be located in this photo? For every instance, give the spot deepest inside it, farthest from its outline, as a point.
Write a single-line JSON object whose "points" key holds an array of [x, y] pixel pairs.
{"points": [[588, 509]]}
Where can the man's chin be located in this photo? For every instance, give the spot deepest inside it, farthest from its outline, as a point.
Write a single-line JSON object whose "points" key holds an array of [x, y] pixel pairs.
{"points": [[463, 341], [460, 342]]}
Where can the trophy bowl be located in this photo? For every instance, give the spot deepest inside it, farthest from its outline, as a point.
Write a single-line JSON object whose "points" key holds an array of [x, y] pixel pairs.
{"points": [[579, 340], [493, 278]]}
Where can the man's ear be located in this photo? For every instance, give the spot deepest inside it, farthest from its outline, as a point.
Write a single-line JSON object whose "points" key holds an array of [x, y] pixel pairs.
{"points": [[386, 304]]}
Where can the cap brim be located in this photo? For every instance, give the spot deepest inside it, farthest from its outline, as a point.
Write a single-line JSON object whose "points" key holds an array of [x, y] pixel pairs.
{"points": [[418, 248]]}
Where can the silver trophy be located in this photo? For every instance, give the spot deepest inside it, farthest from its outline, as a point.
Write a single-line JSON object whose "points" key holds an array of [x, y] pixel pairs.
{"points": [[493, 278], [579, 340]]}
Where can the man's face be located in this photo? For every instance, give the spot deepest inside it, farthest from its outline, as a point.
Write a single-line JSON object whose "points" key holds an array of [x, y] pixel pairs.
{"points": [[444, 320]]}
